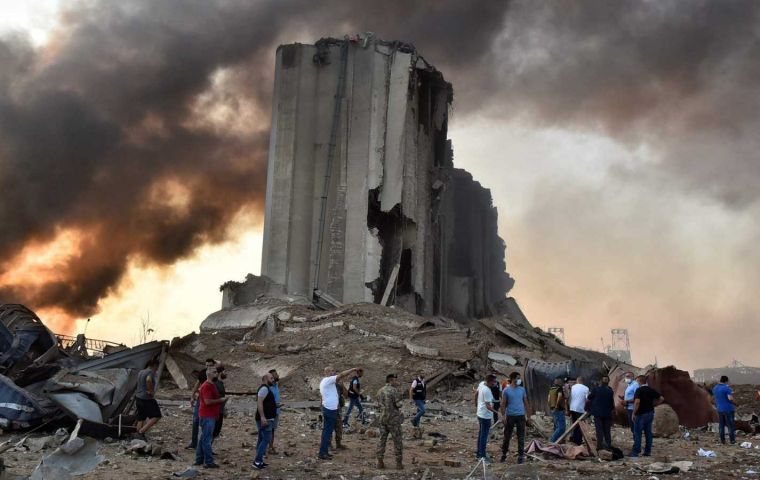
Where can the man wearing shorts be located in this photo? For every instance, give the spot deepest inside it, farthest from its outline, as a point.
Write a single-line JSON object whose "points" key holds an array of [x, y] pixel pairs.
{"points": [[148, 411]]}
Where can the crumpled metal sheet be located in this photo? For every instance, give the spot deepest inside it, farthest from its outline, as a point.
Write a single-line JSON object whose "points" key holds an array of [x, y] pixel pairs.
{"points": [[61, 465], [78, 405]]}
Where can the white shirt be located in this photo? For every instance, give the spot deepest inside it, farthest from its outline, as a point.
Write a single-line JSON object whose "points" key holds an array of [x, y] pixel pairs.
{"points": [[329, 392], [484, 396], [578, 395]]}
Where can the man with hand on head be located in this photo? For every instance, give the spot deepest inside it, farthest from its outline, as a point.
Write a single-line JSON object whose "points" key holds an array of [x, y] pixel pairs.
{"points": [[330, 404]]}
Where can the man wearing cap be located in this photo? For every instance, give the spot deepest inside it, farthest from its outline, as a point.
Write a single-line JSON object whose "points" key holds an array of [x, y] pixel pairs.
{"points": [[389, 401]]}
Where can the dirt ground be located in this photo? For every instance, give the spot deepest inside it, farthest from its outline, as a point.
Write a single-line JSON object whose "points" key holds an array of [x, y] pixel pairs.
{"points": [[450, 425]]}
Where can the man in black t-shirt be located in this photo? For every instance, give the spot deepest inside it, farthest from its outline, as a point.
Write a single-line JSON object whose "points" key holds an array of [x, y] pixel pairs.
{"points": [[355, 398], [644, 401]]}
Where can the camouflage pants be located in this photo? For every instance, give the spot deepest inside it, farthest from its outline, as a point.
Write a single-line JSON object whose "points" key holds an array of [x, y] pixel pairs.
{"points": [[339, 427], [394, 429]]}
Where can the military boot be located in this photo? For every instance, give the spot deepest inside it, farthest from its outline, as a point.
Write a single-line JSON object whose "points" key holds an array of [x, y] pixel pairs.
{"points": [[380, 463]]}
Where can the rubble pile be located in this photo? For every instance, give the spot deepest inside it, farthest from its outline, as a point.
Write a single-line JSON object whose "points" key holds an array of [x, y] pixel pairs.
{"points": [[299, 340]]}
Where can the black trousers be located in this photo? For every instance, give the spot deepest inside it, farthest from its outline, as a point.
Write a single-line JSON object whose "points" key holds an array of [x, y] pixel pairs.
{"points": [[603, 427], [577, 436], [512, 422]]}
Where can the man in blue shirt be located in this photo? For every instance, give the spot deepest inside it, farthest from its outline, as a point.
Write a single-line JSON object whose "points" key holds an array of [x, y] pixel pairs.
{"points": [[724, 402], [275, 389], [515, 405], [630, 391]]}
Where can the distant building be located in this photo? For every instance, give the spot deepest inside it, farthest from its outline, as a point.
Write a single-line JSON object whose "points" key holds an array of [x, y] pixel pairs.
{"points": [[737, 373]]}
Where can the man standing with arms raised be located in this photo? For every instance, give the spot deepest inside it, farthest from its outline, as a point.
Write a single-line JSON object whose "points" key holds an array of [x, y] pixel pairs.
{"points": [[330, 404]]}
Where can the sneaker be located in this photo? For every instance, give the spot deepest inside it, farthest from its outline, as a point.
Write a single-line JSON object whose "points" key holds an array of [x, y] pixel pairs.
{"points": [[520, 460], [325, 457], [258, 465], [211, 465], [190, 447], [487, 460]]}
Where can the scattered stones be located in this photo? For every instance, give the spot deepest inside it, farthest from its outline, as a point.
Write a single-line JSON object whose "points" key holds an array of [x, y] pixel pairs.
{"points": [[449, 462]]}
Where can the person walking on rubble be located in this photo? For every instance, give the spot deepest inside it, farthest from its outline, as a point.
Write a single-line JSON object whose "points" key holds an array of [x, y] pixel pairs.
{"points": [[266, 414], [355, 398], [330, 404], [342, 393], [275, 388], [418, 395], [602, 406], [389, 402], [514, 411], [724, 403], [148, 411], [578, 396], [558, 407], [630, 391], [194, 403], [644, 401], [485, 413], [209, 408]]}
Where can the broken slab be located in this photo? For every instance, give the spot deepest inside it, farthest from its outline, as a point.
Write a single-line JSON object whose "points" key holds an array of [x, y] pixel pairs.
{"points": [[245, 316], [503, 358]]}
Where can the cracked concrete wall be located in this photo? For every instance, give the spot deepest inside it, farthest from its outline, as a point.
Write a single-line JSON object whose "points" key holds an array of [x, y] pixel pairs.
{"points": [[392, 197]]}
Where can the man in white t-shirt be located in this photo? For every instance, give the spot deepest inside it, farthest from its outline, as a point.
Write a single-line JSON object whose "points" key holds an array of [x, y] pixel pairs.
{"points": [[330, 402], [578, 395], [486, 414]]}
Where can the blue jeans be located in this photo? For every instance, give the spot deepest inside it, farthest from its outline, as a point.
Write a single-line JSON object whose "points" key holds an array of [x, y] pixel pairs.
{"points": [[643, 424], [726, 420], [329, 417], [265, 437], [196, 423], [354, 401], [203, 453], [420, 412], [559, 424], [485, 428]]}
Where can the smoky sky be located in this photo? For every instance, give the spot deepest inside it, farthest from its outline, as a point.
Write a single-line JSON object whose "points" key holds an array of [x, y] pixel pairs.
{"points": [[96, 124]]}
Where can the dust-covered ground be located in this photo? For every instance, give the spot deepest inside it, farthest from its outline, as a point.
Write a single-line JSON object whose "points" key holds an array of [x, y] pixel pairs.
{"points": [[449, 434]]}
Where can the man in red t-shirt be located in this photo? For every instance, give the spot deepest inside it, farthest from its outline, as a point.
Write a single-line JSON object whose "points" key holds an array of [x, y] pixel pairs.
{"points": [[209, 408]]}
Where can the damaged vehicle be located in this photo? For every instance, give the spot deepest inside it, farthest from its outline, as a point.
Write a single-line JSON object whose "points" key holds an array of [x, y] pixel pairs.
{"points": [[49, 379]]}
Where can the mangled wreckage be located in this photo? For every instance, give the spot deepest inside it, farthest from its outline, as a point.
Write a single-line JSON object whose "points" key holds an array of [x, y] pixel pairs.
{"points": [[45, 379]]}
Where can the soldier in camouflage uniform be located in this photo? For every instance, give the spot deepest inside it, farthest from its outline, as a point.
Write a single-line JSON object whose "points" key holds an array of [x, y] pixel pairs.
{"points": [[389, 401]]}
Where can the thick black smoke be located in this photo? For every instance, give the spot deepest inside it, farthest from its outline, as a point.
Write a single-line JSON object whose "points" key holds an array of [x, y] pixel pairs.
{"points": [[100, 126]]}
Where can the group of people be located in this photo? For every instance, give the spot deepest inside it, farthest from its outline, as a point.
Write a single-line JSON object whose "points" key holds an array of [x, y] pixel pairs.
{"points": [[506, 402], [389, 401]]}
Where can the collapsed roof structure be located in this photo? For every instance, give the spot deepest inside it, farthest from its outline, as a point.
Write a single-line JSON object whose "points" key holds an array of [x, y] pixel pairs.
{"points": [[41, 381]]}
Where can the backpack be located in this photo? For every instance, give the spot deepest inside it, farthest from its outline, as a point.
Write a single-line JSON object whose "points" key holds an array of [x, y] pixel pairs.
{"points": [[554, 397]]}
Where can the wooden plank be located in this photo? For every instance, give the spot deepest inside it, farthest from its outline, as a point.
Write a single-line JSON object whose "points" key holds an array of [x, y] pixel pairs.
{"points": [[390, 285], [585, 435], [570, 430]]}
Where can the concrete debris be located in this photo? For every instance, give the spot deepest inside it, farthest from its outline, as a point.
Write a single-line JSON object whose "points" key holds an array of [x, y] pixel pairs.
{"points": [[187, 473], [665, 422], [498, 357], [666, 467]]}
